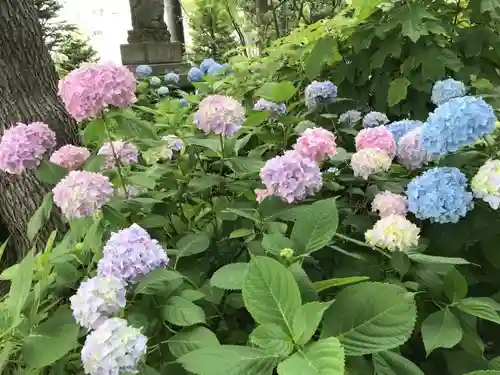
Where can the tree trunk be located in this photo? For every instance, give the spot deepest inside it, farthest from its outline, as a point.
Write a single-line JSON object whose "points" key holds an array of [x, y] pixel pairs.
{"points": [[28, 92]]}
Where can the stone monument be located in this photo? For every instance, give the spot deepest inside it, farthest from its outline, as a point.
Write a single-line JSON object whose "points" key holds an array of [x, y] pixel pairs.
{"points": [[149, 40]]}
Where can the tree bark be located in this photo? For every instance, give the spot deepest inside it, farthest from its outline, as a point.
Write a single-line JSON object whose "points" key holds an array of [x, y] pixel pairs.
{"points": [[28, 92]]}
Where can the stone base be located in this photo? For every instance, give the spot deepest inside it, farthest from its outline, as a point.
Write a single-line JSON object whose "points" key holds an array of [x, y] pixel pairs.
{"points": [[151, 53]]}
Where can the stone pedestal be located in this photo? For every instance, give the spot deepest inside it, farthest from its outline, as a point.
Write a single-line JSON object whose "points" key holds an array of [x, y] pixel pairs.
{"points": [[158, 55]]}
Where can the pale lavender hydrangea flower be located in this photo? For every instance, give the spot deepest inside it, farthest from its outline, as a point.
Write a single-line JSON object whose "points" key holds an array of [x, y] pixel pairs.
{"points": [[320, 93], [23, 146], [70, 157], [126, 153], [373, 119], [291, 177], [132, 191], [219, 114], [174, 142], [410, 152], [115, 348], [130, 254], [81, 193], [387, 203], [97, 299], [351, 116], [276, 109]]}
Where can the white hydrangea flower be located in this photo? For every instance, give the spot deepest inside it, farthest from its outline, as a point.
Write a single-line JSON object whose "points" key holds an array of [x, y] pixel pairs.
{"points": [[368, 161], [394, 233], [486, 183]]}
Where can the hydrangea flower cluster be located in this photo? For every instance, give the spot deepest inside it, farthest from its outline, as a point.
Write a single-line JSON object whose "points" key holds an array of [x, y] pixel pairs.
{"points": [[320, 93], [155, 81], [195, 75], [114, 348], [214, 69], [97, 299], [377, 137], [387, 203], [23, 146], [132, 191], [399, 128], [316, 144], [486, 183], [410, 152], [126, 153], [206, 64], [130, 254], [70, 157], [172, 78], [442, 91], [276, 109], [458, 122], [143, 71], [173, 142], [368, 161], [163, 91], [86, 91], [82, 193], [291, 176], [350, 117], [439, 194], [373, 119], [394, 233], [219, 114]]}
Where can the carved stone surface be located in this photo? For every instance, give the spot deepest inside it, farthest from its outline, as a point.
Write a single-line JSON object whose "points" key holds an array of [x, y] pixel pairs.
{"points": [[151, 53], [148, 24]]}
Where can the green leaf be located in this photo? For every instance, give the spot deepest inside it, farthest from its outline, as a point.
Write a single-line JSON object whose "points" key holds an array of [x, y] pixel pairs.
{"points": [[441, 330], [431, 259], [21, 285], [479, 308], [270, 293], [324, 48], [272, 339], [455, 285], [5, 353], [159, 281], [277, 91], [256, 118], [229, 360], [330, 283], [324, 357], [230, 277], [191, 339], [245, 165], [94, 163], [50, 173], [182, 312], [412, 19], [306, 288], [370, 317], [51, 340], [306, 321], [242, 232], [398, 89], [194, 243], [94, 132], [391, 363], [484, 372], [316, 227], [275, 242], [40, 217]]}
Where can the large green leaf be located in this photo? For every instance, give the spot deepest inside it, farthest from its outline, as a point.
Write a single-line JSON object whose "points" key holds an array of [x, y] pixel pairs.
{"points": [[370, 317], [230, 277], [330, 283], [229, 360], [182, 312], [191, 339], [323, 49], [397, 91], [274, 242], [21, 284], [316, 227], [40, 217], [455, 285], [484, 372], [193, 244], [324, 357], [441, 330], [432, 259], [306, 321], [478, 307], [270, 293], [159, 281], [391, 363], [272, 339], [50, 173], [277, 91]]}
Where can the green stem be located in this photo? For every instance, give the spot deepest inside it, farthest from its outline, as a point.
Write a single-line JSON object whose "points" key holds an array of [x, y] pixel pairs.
{"points": [[221, 138], [360, 243]]}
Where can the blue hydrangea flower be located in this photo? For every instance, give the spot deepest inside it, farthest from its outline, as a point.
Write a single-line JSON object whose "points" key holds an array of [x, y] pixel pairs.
{"points": [[350, 117], [214, 69], [439, 194], [320, 93], [195, 75], [400, 128], [143, 71], [276, 109], [130, 254], [446, 90], [458, 122], [206, 64], [374, 119], [154, 81], [172, 77], [163, 91], [184, 102], [174, 142]]}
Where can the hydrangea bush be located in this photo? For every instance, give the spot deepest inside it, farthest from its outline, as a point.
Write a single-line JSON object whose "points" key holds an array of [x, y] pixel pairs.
{"points": [[256, 232]]}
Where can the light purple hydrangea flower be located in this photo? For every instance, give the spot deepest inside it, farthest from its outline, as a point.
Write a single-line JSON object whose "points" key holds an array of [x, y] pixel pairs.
{"points": [[320, 93], [410, 152], [387, 203], [130, 254], [82, 193], [373, 119], [276, 109], [97, 299], [174, 142], [172, 77], [291, 176], [70, 157], [219, 114], [351, 116], [114, 348], [23, 146], [126, 153]]}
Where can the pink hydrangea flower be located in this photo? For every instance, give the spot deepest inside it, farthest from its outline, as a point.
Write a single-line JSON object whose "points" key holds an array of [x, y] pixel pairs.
{"points": [[70, 157], [86, 91], [369, 161], [23, 146], [387, 203], [82, 193], [316, 144], [126, 153], [291, 176], [219, 114], [262, 194], [410, 152], [378, 137]]}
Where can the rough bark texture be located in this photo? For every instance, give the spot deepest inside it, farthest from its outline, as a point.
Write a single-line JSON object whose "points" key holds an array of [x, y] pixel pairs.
{"points": [[28, 92]]}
